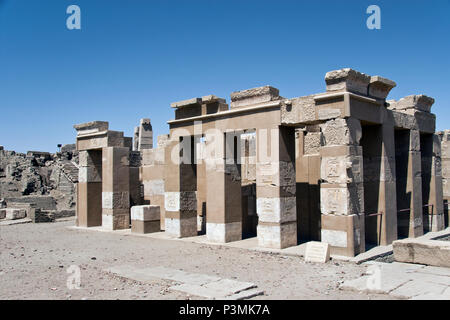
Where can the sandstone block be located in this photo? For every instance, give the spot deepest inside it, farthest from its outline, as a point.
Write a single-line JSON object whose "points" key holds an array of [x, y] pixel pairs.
{"points": [[347, 80], [428, 252], [254, 96], [145, 213]]}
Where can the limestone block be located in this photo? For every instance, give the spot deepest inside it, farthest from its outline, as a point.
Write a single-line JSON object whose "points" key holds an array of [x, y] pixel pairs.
{"points": [[281, 174], [254, 96], [404, 120], [186, 227], [91, 127], [312, 143], [341, 132], [335, 238], [172, 201], [276, 210], [153, 188], [298, 110], [224, 232], [417, 102], [162, 140], [380, 87], [277, 236], [186, 103], [153, 156], [116, 200], [13, 214], [342, 169], [342, 200], [116, 221], [317, 252], [89, 174], [428, 252], [347, 80], [145, 213], [414, 140], [138, 226]]}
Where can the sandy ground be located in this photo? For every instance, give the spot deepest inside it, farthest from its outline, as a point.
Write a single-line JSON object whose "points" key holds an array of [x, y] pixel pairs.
{"points": [[34, 259]]}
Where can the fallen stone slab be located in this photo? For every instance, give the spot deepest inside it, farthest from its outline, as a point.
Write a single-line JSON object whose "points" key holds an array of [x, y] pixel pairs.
{"points": [[220, 290], [427, 252], [417, 288]]}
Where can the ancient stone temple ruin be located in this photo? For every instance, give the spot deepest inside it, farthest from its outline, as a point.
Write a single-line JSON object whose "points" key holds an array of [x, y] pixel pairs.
{"points": [[346, 167]]}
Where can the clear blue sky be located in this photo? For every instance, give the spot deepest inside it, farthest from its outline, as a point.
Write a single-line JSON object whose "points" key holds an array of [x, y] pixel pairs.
{"points": [[131, 59]]}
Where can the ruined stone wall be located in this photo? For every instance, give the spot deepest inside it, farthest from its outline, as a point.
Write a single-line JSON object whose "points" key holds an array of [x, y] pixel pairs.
{"points": [[40, 180]]}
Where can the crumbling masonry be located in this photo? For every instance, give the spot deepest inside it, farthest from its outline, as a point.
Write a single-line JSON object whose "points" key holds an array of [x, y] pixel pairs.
{"points": [[344, 167]]}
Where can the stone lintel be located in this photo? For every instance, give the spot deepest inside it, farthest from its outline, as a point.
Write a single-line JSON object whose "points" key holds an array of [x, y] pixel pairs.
{"points": [[91, 127], [186, 103], [212, 99], [254, 96], [412, 103]]}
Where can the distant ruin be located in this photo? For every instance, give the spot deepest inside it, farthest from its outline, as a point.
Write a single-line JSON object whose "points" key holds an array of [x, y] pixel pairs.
{"points": [[346, 167], [38, 185]]}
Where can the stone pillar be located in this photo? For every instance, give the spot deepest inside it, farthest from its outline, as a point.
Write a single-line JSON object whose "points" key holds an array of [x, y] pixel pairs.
{"points": [[116, 188], [181, 185], [433, 195], [387, 194], [342, 188], [89, 189], [409, 184], [223, 179], [145, 136], [276, 187], [445, 164]]}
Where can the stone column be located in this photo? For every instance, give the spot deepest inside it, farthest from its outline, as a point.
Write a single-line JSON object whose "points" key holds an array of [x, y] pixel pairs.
{"points": [[342, 188], [445, 164], [387, 204], [116, 188], [409, 184], [276, 187], [180, 188], [435, 217], [223, 200], [89, 189]]}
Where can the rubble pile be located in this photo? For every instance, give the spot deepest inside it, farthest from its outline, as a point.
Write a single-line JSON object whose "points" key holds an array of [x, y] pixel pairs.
{"points": [[40, 184]]}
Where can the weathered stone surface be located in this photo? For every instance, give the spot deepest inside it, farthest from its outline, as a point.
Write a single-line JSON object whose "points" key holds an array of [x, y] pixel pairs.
{"points": [[347, 80], [186, 103], [312, 143], [428, 252], [224, 232], [380, 87], [254, 96], [317, 252], [414, 102], [91, 127], [298, 110], [145, 135], [341, 132], [14, 214], [145, 213]]}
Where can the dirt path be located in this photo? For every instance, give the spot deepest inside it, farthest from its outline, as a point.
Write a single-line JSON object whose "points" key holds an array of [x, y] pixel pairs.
{"points": [[34, 259]]}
